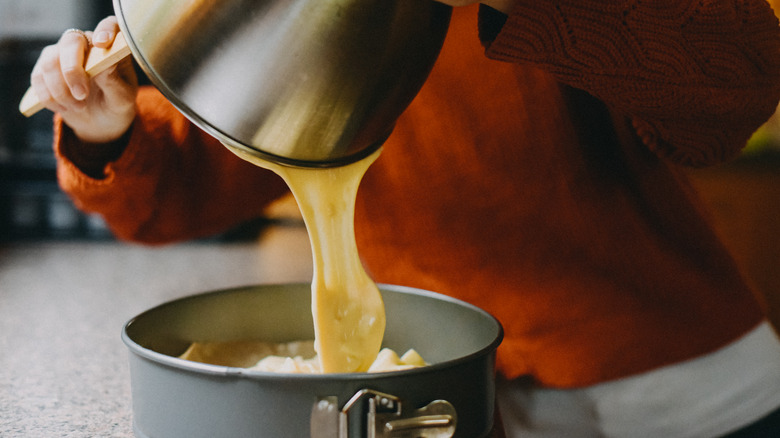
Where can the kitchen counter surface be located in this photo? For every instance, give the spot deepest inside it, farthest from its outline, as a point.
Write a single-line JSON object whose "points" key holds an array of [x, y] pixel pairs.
{"points": [[63, 366]]}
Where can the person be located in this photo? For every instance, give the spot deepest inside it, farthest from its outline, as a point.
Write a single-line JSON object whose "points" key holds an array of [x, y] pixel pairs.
{"points": [[540, 175]]}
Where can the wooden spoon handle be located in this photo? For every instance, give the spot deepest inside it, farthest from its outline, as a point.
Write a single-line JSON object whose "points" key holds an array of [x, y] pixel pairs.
{"points": [[98, 60]]}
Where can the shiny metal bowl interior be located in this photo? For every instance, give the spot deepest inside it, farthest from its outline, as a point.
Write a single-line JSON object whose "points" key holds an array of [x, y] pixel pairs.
{"points": [[310, 83], [178, 398]]}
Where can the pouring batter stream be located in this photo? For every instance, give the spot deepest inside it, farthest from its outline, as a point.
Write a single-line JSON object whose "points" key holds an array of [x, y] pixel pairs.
{"points": [[349, 315]]}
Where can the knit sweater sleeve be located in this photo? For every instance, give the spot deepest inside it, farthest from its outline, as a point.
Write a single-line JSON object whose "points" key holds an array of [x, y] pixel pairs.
{"points": [[170, 182], [695, 77]]}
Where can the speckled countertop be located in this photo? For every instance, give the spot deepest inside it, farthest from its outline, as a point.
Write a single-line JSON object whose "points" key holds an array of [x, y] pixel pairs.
{"points": [[63, 366]]}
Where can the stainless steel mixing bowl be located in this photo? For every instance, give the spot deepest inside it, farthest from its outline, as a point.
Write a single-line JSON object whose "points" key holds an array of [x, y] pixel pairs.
{"points": [[299, 82], [176, 398]]}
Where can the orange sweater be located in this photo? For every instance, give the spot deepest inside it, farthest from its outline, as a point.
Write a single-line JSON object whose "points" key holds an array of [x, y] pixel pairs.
{"points": [[562, 212]]}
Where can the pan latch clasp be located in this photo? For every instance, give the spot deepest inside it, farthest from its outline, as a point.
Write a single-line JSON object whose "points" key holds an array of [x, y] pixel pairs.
{"points": [[373, 414]]}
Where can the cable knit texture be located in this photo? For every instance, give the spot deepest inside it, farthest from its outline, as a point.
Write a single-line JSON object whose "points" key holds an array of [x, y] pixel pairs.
{"points": [[525, 187], [692, 74]]}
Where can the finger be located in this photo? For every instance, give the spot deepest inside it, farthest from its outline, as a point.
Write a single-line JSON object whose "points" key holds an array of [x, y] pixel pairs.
{"points": [[73, 47], [54, 82], [37, 81], [105, 32], [58, 89]]}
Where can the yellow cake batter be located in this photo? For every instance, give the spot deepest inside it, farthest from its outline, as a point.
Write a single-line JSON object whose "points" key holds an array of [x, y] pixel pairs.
{"points": [[292, 357], [349, 315]]}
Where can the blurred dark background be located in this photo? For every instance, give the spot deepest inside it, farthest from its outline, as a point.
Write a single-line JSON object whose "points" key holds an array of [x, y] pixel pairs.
{"points": [[31, 204]]}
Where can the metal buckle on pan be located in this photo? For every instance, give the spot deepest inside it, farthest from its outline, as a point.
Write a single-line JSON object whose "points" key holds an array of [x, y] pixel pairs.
{"points": [[373, 414]]}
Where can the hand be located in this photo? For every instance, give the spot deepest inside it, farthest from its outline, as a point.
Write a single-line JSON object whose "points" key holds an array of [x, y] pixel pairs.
{"points": [[504, 6], [98, 110]]}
